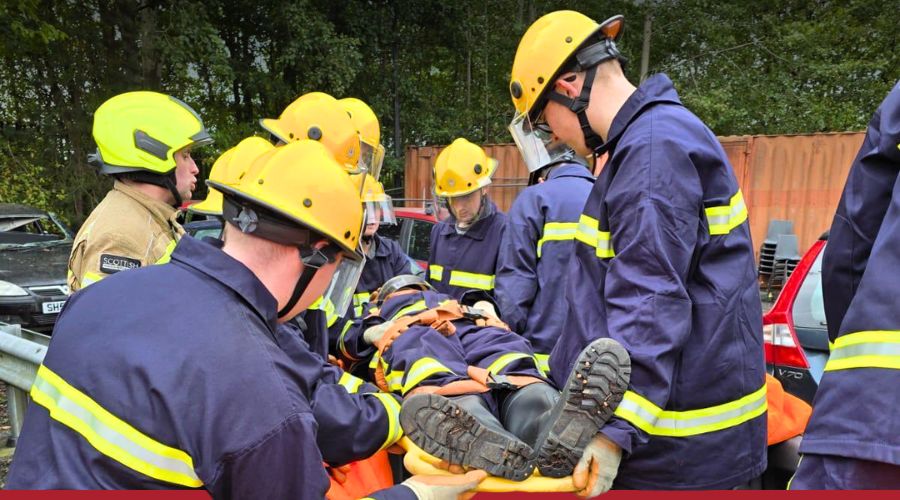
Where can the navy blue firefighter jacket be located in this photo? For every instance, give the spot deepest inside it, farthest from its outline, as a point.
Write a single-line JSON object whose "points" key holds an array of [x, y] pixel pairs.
{"points": [[138, 390], [664, 264], [534, 255], [855, 410], [459, 263]]}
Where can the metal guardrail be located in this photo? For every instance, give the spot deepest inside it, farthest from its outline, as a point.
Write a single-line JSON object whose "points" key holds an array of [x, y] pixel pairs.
{"points": [[21, 353]]}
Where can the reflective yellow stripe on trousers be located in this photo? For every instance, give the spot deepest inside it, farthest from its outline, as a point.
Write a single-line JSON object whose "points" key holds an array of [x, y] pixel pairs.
{"points": [[557, 231], [871, 349], [472, 280], [723, 219], [589, 233], [110, 435], [653, 420]]}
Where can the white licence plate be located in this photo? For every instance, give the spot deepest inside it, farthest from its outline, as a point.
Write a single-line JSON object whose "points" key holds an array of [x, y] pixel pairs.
{"points": [[53, 307]]}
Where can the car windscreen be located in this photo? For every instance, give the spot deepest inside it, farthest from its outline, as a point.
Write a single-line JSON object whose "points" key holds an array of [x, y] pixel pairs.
{"points": [[30, 230]]}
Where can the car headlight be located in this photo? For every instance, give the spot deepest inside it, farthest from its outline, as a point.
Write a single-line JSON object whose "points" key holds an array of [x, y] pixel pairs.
{"points": [[8, 289]]}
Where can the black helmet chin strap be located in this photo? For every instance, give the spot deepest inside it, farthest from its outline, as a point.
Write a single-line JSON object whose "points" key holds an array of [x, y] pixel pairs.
{"points": [[167, 181], [171, 182], [587, 60], [312, 261], [579, 106]]}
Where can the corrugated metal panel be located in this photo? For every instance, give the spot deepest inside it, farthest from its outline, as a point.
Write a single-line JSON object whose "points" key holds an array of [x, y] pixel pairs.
{"points": [[799, 178], [511, 176], [796, 177]]}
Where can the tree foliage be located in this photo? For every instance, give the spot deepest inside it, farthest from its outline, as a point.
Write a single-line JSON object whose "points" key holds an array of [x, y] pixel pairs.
{"points": [[431, 70]]}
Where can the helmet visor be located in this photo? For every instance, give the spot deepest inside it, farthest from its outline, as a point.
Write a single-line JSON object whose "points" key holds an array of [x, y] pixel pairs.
{"points": [[343, 284], [371, 158], [536, 143], [380, 212]]}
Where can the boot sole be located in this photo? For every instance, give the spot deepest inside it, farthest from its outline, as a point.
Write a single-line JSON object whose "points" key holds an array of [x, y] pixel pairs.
{"points": [[441, 428], [593, 391]]}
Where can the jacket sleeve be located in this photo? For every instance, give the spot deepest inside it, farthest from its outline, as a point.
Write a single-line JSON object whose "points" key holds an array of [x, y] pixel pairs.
{"points": [[647, 304], [859, 216], [353, 426], [85, 260], [517, 284], [284, 464]]}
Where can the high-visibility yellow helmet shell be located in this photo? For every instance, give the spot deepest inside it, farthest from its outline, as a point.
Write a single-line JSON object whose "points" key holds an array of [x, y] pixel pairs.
{"points": [[373, 190], [366, 123], [303, 184], [318, 116], [545, 48], [143, 131], [364, 119], [462, 168], [228, 169]]}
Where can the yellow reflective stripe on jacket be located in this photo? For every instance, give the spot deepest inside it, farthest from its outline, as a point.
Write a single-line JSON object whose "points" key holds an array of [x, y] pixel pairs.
{"points": [[723, 219], [557, 231], [327, 306], [168, 253], [351, 383], [436, 272], [472, 280], [504, 361], [421, 370], [589, 233], [872, 349], [359, 300], [392, 407], [110, 435], [653, 420], [343, 335], [90, 278], [543, 363]]}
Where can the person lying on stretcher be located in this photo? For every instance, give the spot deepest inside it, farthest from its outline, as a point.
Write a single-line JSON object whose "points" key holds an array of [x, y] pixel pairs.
{"points": [[473, 393]]}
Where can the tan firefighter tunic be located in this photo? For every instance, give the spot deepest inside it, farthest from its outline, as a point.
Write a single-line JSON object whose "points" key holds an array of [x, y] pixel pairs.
{"points": [[127, 230]]}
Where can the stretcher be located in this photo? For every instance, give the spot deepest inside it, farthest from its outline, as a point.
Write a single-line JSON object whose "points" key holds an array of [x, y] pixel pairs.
{"points": [[417, 461]]}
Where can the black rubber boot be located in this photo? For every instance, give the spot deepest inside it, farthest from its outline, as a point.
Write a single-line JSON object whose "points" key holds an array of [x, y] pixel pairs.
{"points": [[525, 411], [463, 431], [591, 394]]}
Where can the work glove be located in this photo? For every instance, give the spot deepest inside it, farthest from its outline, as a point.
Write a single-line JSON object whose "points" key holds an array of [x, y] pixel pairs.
{"points": [[445, 487], [486, 308], [373, 333], [597, 468]]}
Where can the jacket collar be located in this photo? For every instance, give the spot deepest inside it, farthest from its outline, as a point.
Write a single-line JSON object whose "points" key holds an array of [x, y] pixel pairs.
{"points": [[207, 257], [480, 229], [571, 170], [655, 90], [164, 213], [381, 246]]}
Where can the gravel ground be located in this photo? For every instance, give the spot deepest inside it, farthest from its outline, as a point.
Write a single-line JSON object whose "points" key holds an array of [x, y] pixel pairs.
{"points": [[5, 453]]}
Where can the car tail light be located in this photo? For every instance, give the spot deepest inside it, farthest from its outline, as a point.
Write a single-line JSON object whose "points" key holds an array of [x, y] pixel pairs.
{"points": [[782, 347]]}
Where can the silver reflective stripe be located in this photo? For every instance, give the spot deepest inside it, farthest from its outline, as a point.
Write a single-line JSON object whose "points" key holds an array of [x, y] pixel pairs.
{"points": [[865, 349], [676, 424], [113, 437]]}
